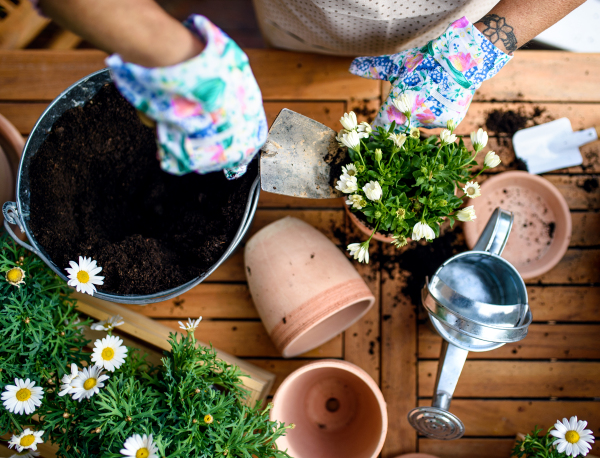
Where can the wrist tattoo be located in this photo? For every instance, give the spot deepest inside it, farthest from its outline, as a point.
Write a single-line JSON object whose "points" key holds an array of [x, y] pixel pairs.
{"points": [[496, 29]]}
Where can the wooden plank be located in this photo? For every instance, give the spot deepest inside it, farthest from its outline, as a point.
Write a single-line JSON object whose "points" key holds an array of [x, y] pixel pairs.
{"points": [[548, 74], [362, 340], [559, 303], [475, 448], [576, 267], [308, 76], [574, 190], [21, 26], [398, 363], [518, 379], [250, 339], [22, 115], [585, 229], [65, 39], [280, 367], [328, 113], [543, 341], [507, 418], [271, 200]]}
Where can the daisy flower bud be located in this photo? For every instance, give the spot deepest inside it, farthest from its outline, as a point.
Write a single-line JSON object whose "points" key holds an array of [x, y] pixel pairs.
{"points": [[349, 121], [451, 125], [351, 140], [398, 139], [347, 184], [466, 214], [422, 230], [373, 190], [359, 251], [365, 127], [378, 154], [479, 139], [491, 160], [447, 137], [405, 102]]}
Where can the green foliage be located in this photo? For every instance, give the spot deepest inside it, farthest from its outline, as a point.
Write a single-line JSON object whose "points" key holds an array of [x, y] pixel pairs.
{"points": [[193, 404], [40, 332], [418, 179], [536, 446]]}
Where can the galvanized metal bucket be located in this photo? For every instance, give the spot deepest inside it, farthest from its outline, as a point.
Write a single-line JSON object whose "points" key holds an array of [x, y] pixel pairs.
{"points": [[17, 213]]}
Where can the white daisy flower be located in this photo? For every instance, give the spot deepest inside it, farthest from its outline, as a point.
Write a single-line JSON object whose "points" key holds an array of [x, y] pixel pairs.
{"points": [[479, 139], [191, 325], [67, 380], [108, 325], [355, 201], [22, 397], [349, 121], [359, 251], [447, 137], [422, 230], [365, 127], [572, 437], [415, 132], [405, 102], [349, 170], [347, 184], [140, 447], [398, 139], [26, 454], [83, 276], [472, 190], [351, 140], [466, 214], [88, 382], [15, 276], [28, 439], [451, 125], [373, 190], [109, 353], [491, 160]]}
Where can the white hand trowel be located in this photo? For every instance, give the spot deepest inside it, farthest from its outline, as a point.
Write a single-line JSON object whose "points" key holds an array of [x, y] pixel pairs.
{"points": [[552, 145]]}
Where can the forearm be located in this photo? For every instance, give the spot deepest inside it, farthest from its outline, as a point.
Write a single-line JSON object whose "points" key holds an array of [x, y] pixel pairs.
{"points": [[139, 30], [512, 23]]}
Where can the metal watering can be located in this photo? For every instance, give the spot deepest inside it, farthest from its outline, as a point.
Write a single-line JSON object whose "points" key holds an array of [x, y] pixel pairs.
{"points": [[476, 301], [17, 213]]}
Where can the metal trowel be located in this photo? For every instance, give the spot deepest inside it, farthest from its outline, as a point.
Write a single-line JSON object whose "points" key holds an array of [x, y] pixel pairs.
{"points": [[552, 145], [297, 157]]}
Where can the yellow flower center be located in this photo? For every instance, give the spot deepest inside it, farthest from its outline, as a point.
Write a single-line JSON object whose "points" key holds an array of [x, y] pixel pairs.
{"points": [[351, 172], [26, 441], [142, 453], [83, 276], [572, 437], [14, 275], [89, 383], [470, 191], [23, 394], [208, 419], [108, 354]]}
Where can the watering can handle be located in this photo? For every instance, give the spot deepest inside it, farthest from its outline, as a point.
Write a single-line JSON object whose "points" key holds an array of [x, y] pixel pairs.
{"points": [[495, 235], [11, 216]]}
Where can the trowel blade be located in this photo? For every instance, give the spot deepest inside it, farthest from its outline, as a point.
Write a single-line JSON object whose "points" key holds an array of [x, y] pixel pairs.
{"points": [[297, 157], [537, 147]]}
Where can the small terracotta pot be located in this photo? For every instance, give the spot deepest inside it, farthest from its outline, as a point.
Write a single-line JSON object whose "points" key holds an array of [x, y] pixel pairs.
{"points": [[542, 226], [337, 408], [364, 229], [304, 288]]}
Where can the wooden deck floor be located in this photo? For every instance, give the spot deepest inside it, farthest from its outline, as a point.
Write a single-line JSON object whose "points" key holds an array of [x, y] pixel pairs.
{"points": [[554, 372]]}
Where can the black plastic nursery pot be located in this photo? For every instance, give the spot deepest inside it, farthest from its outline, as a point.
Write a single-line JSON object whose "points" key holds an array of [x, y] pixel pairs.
{"points": [[19, 213]]}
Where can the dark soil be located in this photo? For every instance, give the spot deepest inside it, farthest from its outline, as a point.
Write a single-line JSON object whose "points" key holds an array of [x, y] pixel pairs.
{"points": [[97, 190], [589, 185], [421, 260], [510, 121]]}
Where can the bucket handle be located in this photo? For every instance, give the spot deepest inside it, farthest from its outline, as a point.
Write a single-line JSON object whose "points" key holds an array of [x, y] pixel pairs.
{"points": [[12, 216], [495, 235]]}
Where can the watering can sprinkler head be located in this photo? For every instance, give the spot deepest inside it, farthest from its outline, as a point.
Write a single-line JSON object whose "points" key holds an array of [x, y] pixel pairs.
{"points": [[476, 301]]}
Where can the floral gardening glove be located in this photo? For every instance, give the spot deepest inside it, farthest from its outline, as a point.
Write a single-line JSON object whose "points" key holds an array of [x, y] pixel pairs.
{"points": [[208, 110], [438, 79]]}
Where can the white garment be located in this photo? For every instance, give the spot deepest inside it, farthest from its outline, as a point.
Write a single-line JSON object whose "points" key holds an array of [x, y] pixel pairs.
{"points": [[360, 27]]}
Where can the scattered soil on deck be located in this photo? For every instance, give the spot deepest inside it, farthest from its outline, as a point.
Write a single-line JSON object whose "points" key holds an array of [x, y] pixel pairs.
{"points": [[97, 190]]}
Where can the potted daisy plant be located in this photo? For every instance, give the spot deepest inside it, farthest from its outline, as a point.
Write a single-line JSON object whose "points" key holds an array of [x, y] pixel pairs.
{"points": [[400, 185], [112, 402], [566, 438]]}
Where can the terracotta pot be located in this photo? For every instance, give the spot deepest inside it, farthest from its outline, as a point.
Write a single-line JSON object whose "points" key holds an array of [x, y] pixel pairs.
{"points": [[541, 230], [364, 229], [304, 288], [337, 408], [11, 147], [417, 455]]}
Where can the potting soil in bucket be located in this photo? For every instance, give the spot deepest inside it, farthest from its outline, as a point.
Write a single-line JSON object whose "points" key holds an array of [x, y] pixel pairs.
{"points": [[97, 190]]}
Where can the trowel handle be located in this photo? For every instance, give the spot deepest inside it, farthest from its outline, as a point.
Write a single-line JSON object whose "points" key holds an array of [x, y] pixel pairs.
{"points": [[452, 360], [495, 235], [577, 139]]}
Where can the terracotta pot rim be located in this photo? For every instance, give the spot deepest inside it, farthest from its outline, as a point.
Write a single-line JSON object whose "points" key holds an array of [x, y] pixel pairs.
{"points": [[11, 137], [363, 227], [352, 369], [562, 213]]}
